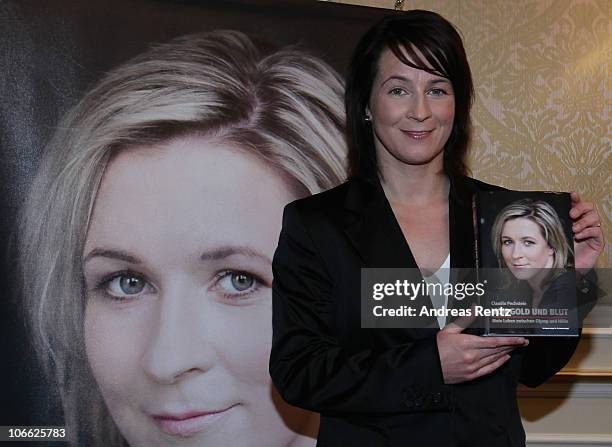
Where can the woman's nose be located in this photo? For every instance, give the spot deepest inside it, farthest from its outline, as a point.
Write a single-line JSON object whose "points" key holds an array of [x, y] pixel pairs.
{"points": [[177, 345], [420, 109], [517, 252]]}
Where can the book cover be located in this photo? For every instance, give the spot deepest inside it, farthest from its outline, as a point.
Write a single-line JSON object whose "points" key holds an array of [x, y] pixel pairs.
{"points": [[525, 258]]}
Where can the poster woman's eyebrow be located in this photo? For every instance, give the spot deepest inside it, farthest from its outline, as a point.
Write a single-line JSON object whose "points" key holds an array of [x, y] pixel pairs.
{"points": [[111, 254], [226, 251]]}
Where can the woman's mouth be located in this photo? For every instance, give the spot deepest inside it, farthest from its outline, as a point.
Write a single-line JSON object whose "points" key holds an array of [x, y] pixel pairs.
{"points": [[418, 134], [189, 423]]}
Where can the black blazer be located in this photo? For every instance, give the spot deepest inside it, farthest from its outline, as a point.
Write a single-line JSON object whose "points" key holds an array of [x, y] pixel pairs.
{"points": [[382, 387]]}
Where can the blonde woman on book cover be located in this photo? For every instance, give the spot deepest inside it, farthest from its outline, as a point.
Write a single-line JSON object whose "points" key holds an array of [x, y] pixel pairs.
{"points": [[528, 239], [148, 237]]}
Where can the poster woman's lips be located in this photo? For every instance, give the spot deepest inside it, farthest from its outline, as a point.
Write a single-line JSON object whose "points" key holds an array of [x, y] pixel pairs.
{"points": [[418, 134], [189, 423]]}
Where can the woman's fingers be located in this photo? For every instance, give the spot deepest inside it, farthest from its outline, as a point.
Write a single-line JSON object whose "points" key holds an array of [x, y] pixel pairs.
{"points": [[588, 219], [459, 324], [489, 367], [592, 233], [496, 342], [463, 356], [453, 328], [578, 206], [488, 353], [588, 236], [483, 358], [477, 366]]}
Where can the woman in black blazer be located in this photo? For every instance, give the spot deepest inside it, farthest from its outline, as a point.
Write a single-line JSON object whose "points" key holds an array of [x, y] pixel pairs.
{"points": [[407, 204]]}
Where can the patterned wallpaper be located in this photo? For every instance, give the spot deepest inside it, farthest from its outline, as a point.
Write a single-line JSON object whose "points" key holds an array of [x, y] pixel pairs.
{"points": [[543, 93]]}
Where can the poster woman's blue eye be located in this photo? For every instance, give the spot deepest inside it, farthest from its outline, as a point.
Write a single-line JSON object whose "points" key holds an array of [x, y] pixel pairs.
{"points": [[131, 285], [236, 284], [242, 281], [125, 285]]}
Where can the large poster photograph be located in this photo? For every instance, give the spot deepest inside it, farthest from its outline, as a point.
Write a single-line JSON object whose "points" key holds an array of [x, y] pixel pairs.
{"points": [[149, 148]]}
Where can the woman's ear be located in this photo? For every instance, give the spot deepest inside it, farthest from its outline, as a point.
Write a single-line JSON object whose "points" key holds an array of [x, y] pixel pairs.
{"points": [[367, 115], [553, 257]]}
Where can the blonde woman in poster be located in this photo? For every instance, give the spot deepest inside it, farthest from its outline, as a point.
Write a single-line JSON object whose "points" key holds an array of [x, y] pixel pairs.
{"points": [[148, 234]]}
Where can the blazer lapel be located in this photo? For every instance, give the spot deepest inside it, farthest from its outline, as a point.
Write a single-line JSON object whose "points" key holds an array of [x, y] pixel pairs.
{"points": [[373, 229], [371, 226]]}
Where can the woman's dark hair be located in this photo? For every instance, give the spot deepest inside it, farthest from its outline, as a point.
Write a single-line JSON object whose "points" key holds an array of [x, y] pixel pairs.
{"points": [[423, 40]]}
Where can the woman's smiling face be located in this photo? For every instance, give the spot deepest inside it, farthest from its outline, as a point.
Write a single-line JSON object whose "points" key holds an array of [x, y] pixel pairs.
{"points": [[412, 113], [177, 265], [524, 249]]}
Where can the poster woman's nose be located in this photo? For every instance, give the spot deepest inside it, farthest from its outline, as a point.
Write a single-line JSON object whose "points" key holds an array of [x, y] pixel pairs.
{"points": [[177, 344]]}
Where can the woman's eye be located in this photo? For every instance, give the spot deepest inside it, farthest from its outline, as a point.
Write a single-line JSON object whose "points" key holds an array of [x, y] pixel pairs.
{"points": [[242, 281], [437, 92], [507, 242], [397, 91], [529, 243], [125, 285], [233, 284]]}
